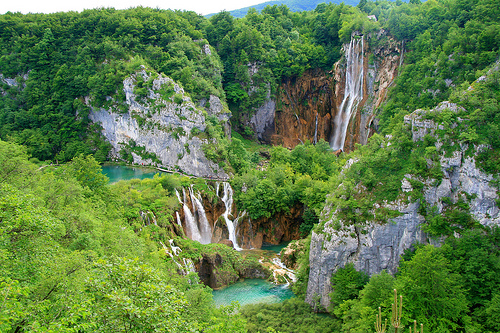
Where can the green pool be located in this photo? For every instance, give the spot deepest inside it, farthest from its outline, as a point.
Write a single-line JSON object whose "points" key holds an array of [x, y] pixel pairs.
{"points": [[120, 172], [252, 291]]}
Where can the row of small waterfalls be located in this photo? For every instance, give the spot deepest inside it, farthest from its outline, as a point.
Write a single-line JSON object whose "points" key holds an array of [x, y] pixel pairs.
{"points": [[196, 224]]}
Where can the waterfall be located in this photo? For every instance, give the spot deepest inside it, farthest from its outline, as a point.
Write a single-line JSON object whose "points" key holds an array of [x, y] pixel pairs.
{"points": [[197, 226], [204, 225], [178, 196], [288, 272], [192, 230], [353, 92], [148, 217], [316, 130], [174, 251], [227, 198], [178, 219]]}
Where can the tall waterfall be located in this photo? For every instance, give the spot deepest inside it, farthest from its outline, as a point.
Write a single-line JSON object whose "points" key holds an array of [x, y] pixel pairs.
{"points": [[227, 198], [205, 228], [353, 92], [197, 226]]}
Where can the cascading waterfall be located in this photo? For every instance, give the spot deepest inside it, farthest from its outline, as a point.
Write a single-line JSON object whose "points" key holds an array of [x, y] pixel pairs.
{"points": [[353, 92], [174, 253], [197, 226], [148, 217], [178, 219], [204, 225], [192, 230], [316, 130], [288, 272], [227, 198]]}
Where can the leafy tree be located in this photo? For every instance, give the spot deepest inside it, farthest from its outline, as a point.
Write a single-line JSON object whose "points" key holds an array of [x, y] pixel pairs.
{"points": [[346, 282], [432, 293]]}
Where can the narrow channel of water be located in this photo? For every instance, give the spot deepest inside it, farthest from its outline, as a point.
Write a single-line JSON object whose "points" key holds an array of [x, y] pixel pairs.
{"points": [[121, 172], [251, 291]]}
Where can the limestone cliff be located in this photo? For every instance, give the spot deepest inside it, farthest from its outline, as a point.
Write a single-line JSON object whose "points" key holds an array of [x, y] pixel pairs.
{"points": [[380, 246], [158, 124]]}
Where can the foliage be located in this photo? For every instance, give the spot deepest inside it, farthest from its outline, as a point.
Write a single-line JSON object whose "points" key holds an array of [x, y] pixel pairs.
{"points": [[296, 177], [346, 284], [70, 261], [60, 59], [292, 315]]}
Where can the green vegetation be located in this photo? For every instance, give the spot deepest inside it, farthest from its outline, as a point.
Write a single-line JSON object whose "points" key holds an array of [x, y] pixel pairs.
{"points": [[79, 255], [71, 261], [59, 59], [296, 177]]}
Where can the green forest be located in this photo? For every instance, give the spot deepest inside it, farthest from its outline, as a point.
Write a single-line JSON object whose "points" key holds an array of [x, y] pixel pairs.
{"points": [[76, 253]]}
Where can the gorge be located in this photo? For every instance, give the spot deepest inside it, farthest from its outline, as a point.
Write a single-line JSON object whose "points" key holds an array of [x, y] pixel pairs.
{"points": [[368, 137]]}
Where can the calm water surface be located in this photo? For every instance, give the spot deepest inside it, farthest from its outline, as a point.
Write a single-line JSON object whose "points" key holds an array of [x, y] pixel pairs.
{"points": [[251, 291], [120, 172]]}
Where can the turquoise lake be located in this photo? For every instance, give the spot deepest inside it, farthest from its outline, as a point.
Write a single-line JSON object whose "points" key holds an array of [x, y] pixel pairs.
{"points": [[251, 291], [120, 172]]}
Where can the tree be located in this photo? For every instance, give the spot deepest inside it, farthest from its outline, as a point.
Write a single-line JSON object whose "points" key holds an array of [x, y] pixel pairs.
{"points": [[346, 282], [131, 296], [88, 172], [432, 293]]}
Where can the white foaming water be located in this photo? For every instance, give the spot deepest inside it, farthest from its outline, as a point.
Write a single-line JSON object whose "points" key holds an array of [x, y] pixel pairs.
{"points": [[227, 198], [178, 219], [288, 272], [204, 225], [196, 223], [188, 265], [353, 92], [316, 130]]}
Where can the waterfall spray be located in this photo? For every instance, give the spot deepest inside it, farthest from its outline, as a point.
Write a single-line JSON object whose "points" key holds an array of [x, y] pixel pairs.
{"points": [[353, 92]]}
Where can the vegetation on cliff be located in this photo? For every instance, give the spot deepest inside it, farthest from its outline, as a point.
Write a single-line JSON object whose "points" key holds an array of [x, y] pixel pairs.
{"points": [[77, 255]]}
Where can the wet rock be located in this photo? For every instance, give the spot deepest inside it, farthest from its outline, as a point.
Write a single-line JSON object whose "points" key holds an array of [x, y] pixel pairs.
{"points": [[227, 242]]}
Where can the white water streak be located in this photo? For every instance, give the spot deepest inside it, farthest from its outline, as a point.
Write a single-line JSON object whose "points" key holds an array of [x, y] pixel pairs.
{"points": [[316, 130], [353, 92], [203, 224], [227, 198], [179, 222]]}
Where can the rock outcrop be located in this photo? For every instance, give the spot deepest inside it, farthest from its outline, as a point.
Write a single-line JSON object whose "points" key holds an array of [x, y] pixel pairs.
{"points": [[159, 127], [380, 246], [217, 271]]}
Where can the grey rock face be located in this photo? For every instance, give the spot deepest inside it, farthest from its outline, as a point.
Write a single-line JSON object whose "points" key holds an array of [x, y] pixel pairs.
{"points": [[263, 119], [160, 125], [18, 81], [378, 249], [382, 245]]}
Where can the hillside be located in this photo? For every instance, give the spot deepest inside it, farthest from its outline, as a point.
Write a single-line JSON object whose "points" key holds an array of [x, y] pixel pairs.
{"points": [[293, 5], [367, 136]]}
